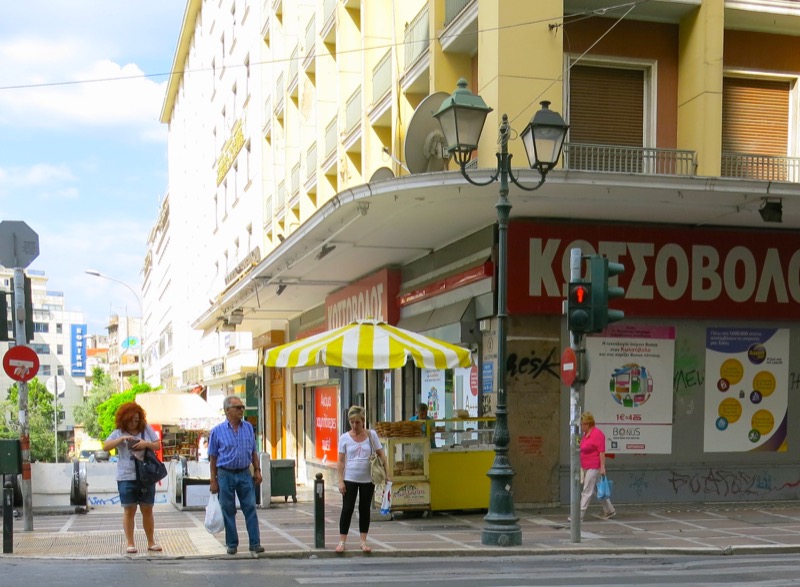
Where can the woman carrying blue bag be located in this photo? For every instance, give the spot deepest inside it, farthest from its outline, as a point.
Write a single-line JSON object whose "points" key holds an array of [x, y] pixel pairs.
{"points": [[593, 464]]}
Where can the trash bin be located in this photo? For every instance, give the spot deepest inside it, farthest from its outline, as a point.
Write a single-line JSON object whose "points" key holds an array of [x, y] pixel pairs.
{"points": [[281, 475]]}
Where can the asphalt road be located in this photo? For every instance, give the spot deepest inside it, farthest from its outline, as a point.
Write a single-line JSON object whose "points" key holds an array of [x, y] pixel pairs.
{"points": [[537, 571]]}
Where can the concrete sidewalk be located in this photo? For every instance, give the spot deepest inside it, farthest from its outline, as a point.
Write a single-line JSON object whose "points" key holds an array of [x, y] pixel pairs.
{"points": [[287, 530]]}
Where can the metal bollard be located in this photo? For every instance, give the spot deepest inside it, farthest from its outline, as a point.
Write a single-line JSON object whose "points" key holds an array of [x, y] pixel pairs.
{"points": [[319, 511], [8, 518]]}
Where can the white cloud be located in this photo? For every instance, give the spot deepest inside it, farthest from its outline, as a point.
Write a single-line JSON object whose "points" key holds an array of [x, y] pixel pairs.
{"points": [[112, 96], [40, 174]]}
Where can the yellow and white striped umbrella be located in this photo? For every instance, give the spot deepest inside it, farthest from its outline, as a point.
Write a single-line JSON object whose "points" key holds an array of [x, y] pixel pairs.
{"points": [[369, 344]]}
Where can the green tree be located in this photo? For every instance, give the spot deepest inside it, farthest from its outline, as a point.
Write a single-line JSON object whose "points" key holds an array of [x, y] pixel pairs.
{"points": [[41, 425], [107, 411], [85, 414]]}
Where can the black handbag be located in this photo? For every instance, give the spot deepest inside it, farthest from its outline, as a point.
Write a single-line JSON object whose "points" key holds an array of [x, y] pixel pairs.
{"points": [[149, 470]]}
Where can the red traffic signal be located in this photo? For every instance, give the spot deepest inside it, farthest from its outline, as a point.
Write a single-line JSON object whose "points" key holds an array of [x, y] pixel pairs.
{"points": [[579, 307]]}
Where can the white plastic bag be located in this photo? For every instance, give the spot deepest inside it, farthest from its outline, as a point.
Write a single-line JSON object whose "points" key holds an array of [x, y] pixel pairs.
{"points": [[386, 502], [214, 522]]}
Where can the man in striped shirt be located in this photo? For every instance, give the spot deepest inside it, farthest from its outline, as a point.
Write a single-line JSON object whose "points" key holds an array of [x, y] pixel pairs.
{"points": [[231, 451]]}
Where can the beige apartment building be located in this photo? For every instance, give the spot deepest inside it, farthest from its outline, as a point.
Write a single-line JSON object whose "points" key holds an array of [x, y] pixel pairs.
{"points": [[308, 187]]}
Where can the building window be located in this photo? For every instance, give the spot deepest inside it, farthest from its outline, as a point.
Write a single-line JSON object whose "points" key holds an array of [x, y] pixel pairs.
{"points": [[41, 327], [59, 328], [44, 370], [41, 349], [59, 349], [60, 370]]}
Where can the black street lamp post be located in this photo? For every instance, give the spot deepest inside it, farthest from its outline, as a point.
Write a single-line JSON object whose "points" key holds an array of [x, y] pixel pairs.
{"points": [[462, 116]]}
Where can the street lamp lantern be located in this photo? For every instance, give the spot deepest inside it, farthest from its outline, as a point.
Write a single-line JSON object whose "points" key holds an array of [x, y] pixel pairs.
{"points": [[544, 138], [461, 117]]}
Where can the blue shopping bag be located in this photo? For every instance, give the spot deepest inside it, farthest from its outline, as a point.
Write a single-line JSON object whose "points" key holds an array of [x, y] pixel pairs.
{"points": [[604, 486]]}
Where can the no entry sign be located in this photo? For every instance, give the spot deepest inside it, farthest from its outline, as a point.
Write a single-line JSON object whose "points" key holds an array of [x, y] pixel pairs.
{"points": [[21, 363], [569, 366]]}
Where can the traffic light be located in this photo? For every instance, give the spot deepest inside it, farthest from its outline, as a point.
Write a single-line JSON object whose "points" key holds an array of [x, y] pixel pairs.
{"points": [[4, 317], [600, 269], [579, 307], [28, 309]]}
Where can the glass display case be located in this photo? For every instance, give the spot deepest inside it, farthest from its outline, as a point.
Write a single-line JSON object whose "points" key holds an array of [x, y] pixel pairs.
{"points": [[463, 433], [407, 457]]}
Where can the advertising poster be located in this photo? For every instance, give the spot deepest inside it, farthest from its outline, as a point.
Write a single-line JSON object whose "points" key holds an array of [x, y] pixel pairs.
{"points": [[433, 391], [326, 408], [747, 389], [630, 387]]}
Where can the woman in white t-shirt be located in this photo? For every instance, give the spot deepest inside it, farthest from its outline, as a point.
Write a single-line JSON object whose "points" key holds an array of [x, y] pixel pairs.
{"points": [[355, 448]]}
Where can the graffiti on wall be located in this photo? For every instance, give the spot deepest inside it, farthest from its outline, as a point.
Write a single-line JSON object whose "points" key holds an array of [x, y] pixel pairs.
{"points": [[727, 483], [534, 366]]}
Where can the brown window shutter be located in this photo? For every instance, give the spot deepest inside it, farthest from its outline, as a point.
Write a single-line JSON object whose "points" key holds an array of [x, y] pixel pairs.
{"points": [[755, 116], [606, 105]]}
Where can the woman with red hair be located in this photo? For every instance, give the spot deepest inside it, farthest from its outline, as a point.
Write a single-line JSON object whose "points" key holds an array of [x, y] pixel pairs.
{"points": [[132, 436]]}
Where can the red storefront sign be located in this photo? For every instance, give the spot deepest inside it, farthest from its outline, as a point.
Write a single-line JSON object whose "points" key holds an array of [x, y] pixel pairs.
{"points": [[326, 423], [374, 296], [669, 272]]}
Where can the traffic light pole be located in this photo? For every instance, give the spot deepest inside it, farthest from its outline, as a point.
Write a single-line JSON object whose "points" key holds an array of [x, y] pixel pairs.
{"points": [[20, 338], [577, 345]]}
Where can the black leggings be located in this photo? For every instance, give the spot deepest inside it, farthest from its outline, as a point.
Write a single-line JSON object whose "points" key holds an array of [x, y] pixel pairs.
{"points": [[364, 492]]}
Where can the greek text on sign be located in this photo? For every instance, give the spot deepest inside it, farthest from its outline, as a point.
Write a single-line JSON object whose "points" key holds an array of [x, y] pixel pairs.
{"points": [[672, 272]]}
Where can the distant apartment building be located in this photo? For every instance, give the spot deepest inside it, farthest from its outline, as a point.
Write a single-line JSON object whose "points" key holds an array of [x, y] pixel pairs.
{"points": [[59, 341]]}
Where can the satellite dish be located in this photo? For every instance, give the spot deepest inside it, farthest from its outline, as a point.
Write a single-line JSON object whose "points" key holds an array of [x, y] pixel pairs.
{"points": [[381, 174], [425, 146]]}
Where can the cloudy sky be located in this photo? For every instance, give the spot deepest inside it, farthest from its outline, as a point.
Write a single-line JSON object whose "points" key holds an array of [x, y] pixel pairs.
{"points": [[82, 157]]}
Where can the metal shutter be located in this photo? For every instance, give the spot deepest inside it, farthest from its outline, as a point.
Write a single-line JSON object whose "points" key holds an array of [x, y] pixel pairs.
{"points": [[606, 105], [755, 116], [755, 128]]}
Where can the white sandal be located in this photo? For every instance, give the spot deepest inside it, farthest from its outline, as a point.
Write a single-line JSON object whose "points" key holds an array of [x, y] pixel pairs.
{"points": [[340, 546]]}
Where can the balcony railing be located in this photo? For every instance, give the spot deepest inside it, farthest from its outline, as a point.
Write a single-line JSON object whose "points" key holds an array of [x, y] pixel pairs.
{"points": [[382, 78], [622, 159], [280, 200], [311, 161], [764, 167], [417, 37], [331, 138], [452, 8], [353, 111], [295, 180]]}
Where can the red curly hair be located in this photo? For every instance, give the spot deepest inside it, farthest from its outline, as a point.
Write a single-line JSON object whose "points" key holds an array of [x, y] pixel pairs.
{"points": [[127, 412]]}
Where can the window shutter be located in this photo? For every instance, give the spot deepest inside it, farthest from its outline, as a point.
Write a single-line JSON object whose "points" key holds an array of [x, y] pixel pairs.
{"points": [[755, 116], [606, 105]]}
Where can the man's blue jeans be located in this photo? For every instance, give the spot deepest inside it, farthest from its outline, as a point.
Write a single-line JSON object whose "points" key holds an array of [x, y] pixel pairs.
{"points": [[238, 484]]}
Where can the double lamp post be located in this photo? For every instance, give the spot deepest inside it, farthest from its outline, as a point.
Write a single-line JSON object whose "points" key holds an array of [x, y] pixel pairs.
{"points": [[462, 116]]}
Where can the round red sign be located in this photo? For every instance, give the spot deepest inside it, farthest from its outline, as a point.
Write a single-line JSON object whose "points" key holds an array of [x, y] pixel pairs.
{"points": [[569, 366], [21, 363]]}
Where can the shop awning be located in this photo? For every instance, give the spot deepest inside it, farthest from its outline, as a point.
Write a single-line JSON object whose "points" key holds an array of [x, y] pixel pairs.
{"points": [[177, 409], [453, 323]]}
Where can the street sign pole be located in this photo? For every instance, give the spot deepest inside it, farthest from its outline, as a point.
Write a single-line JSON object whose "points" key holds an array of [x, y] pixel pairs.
{"points": [[22, 386], [19, 246]]}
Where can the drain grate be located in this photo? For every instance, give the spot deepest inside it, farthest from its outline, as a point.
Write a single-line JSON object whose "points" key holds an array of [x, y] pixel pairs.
{"points": [[101, 544]]}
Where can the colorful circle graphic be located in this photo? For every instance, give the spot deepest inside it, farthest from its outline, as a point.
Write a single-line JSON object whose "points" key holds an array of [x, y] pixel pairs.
{"points": [[730, 409], [732, 370], [757, 353], [631, 385], [763, 421], [764, 382]]}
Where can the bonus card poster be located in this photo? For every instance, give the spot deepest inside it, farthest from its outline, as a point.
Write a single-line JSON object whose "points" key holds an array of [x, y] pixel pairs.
{"points": [[630, 389], [747, 389]]}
